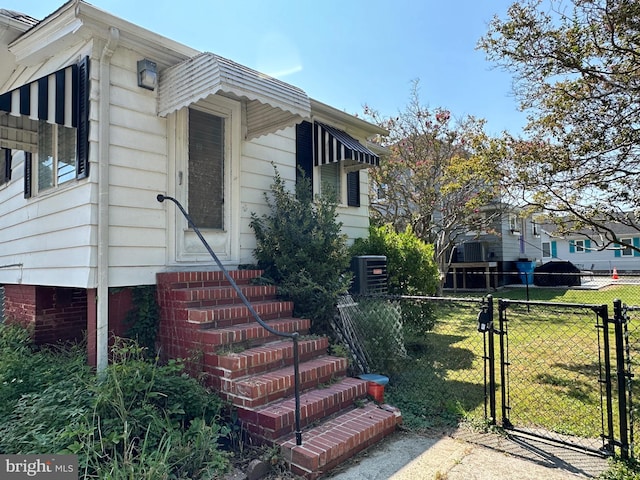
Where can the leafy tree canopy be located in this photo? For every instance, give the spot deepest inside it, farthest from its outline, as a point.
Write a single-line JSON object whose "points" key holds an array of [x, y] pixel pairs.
{"points": [[576, 66], [442, 177]]}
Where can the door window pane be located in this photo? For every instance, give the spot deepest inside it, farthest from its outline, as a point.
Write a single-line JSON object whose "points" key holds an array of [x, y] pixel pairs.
{"points": [[206, 169]]}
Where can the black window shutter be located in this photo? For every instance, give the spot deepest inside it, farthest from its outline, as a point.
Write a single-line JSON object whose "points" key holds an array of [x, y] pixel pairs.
{"points": [[7, 164], [353, 189], [82, 159], [27, 174], [304, 152]]}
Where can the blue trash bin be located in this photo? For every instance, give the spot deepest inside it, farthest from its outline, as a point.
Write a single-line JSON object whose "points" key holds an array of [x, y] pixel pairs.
{"points": [[525, 270]]}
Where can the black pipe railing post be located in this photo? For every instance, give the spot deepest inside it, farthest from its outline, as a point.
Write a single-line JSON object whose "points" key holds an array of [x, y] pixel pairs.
{"points": [[294, 336], [296, 379]]}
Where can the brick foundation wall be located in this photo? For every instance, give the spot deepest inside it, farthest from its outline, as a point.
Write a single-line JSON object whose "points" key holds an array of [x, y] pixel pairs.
{"points": [[20, 305], [61, 314]]}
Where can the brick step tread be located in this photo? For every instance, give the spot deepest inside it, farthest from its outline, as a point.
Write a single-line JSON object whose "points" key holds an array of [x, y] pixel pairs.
{"points": [[253, 333], [232, 314], [269, 356], [256, 390], [327, 445], [204, 278], [277, 419], [194, 296]]}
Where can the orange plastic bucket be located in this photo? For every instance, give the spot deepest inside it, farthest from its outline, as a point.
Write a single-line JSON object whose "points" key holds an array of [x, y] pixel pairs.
{"points": [[376, 391]]}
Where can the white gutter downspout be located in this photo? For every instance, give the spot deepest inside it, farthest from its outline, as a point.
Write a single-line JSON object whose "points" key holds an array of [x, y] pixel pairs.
{"points": [[104, 141]]}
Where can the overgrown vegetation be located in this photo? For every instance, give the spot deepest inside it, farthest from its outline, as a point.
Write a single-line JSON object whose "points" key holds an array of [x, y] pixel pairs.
{"points": [[137, 420], [302, 250], [411, 270], [142, 321]]}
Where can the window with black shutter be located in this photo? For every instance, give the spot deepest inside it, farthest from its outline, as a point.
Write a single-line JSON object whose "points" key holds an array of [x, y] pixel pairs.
{"points": [[5, 165], [304, 153], [353, 189], [62, 126]]}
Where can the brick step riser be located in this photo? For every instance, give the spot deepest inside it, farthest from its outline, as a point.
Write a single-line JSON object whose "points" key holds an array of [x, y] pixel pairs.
{"points": [[267, 359], [222, 295], [253, 334], [247, 395], [270, 424], [229, 315], [337, 440], [205, 279]]}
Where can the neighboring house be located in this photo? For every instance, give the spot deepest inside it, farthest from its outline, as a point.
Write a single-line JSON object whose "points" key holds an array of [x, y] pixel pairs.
{"points": [[587, 255], [493, 252], [98, 116]]}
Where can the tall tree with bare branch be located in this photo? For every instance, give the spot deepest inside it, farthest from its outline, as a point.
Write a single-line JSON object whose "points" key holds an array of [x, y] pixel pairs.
{"points": [[441, 179], [576, 67]]}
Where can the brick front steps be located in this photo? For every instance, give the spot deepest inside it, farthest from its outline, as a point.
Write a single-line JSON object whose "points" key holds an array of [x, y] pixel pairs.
{"points": [[204, 321]]}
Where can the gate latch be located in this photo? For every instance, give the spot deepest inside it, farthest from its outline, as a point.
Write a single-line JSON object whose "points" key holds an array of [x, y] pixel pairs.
{"points": [[485, 322]]}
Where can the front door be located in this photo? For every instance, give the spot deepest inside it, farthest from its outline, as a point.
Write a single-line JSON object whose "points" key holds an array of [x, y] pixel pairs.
{"points": [[204, 167]]}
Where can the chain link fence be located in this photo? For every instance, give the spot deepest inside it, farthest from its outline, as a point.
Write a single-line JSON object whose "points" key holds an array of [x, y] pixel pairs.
{"points": [[554, 378], [429, 347]]}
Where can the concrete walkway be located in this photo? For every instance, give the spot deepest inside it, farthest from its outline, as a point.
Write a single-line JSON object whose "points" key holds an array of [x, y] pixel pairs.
{"points": [[463, 455]]}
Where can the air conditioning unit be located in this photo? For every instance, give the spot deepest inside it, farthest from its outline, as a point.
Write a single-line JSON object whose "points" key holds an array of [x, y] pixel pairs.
{"points": [[474, 252], [369, 274]]}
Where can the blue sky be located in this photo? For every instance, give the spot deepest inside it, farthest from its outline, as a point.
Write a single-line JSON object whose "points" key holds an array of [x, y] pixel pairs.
{"points": [[345, 53]]}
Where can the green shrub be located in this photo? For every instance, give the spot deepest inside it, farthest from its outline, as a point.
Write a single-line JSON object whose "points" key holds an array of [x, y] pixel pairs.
{"points": [[411, 268], [302, 250], [25, 369], [142, 321], [137, 419], [141, 409]]}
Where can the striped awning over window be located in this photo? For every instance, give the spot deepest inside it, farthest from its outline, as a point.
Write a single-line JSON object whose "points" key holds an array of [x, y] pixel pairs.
{"points": [[53, 98], [333, 145]]}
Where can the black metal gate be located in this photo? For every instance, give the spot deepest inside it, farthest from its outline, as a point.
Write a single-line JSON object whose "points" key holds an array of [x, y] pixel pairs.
{"points": [[564, 373]]}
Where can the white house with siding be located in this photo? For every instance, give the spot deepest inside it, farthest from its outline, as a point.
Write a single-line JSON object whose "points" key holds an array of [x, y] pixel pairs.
{"points": [[98, 116], [589, 255]]}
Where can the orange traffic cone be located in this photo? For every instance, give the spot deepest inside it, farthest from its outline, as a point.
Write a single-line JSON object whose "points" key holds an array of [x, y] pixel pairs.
{"points": [[615, 274]]}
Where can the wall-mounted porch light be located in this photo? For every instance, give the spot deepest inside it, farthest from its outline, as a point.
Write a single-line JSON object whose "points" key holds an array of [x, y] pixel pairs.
{"points": [[147, 74]]}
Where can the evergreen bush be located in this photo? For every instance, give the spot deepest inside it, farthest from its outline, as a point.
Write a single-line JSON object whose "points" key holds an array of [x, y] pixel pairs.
{"points": [[301, 249]]}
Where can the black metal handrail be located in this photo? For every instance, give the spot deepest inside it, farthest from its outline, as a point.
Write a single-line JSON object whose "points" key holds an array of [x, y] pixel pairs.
{"points": [[294, 336]]}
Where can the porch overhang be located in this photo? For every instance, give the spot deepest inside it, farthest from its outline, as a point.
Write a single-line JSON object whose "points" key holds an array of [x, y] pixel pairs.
{"points": [[334, 145], [270, 104]]}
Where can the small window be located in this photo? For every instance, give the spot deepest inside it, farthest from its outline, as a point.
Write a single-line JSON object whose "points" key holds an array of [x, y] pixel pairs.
{"points": [[546, 249], [627, 251], [56, 159], [514, 224], [580, 246], [330, 179]]}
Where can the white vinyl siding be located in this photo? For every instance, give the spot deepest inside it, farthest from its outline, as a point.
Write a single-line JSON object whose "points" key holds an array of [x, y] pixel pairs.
{"points": [[138, 172]]}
